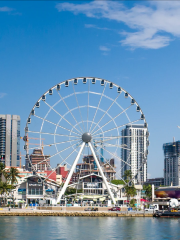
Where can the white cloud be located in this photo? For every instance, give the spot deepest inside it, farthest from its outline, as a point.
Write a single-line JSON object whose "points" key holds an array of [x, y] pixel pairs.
{"points": [[6, 9], [152, 24], [2, 95], [90, 26], [96, 27], [104, 49]]}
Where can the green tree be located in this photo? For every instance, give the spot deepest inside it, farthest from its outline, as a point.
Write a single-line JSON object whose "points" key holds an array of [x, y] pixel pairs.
{"points": [[148, 190], [117, 182], [130, 190], [70, 191], [132, 202]]}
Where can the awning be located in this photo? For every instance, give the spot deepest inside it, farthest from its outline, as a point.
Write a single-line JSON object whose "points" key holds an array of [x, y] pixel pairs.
{"points": [[19, 201], [144, 200], [102, 199], [86, 197], [49, 190]]}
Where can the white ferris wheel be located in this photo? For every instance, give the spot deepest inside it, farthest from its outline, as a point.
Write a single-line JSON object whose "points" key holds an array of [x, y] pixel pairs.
{"points": [[83, 116]]}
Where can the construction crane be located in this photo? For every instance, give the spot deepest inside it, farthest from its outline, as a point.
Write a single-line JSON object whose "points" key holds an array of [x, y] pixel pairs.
{"points": [[20, 159], [26, 139]]}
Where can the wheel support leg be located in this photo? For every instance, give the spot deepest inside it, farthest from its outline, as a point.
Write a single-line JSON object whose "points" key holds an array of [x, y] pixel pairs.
{"points": [[70, 173], [101, 172]]}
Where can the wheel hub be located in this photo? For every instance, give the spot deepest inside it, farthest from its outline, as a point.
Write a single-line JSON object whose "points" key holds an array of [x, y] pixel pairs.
{"points": [[86, 137]]}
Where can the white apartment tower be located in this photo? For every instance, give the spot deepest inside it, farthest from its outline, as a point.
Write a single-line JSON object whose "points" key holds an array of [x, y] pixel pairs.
{"points": [[133, 152], [10, 140]]}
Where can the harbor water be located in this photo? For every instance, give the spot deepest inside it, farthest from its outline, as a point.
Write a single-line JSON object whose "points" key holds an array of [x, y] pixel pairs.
{"points": [[84, 228]]}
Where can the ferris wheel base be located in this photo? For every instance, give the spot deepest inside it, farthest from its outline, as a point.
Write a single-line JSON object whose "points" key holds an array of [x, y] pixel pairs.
{"points": [[59, 198]]}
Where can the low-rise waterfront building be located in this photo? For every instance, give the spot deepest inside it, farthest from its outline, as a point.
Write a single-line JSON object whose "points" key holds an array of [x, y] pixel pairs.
{"points": [[38, 161], [164, 194], [156, 181], [94, 189], [88, 166], [36, 189], [62, 171]]}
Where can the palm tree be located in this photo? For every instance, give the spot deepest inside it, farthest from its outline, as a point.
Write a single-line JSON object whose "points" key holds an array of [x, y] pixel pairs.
{"points": [[129, 186], [4, 188], [12, 177], [127, 175], [2, 170], [130, 191]]}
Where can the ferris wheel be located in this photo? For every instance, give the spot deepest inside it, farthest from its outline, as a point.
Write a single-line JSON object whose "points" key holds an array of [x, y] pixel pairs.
{"points": [[83, 116]]}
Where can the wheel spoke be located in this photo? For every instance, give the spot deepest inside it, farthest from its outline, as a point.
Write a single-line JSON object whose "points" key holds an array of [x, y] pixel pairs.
{"points": [[107, 162], [78, 106], [61, 116], [62, 135], [117, 127], [60, 151], [56, 124], [88, 105], [98, 106], [63, 161], [51, 144], [114, 137], [111, 138], [69, 110], [113, 119], [113, 154], [107, 111], [125, 162], [122, 147]]}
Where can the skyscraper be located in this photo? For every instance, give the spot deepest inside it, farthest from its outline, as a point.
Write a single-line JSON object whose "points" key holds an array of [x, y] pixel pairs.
{"points": [[133, 152], [10, 140], [172, 163]]}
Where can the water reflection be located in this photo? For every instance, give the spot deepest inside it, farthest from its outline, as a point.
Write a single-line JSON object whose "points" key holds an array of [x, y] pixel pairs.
{"points": [[32, 228]]}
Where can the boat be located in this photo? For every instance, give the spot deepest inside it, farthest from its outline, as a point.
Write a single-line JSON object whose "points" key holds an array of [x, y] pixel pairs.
{"points": [[170, 213]]}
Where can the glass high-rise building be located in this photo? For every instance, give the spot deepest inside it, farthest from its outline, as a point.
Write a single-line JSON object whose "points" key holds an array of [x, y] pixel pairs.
{"points": [[10, 140], [172, 163], [134, 151]]}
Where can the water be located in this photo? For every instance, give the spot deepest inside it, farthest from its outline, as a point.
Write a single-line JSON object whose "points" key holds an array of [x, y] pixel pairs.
{"points": [[84, 228]]}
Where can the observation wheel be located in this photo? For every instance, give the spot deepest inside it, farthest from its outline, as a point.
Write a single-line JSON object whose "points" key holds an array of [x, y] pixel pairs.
{"points": [[87, 116]]}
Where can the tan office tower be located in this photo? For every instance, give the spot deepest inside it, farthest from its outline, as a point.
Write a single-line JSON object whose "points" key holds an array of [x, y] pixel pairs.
{"points": [[10, 140]]}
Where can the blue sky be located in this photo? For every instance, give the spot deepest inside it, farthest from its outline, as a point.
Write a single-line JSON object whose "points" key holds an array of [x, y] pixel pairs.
{"points": [[133, 44]]}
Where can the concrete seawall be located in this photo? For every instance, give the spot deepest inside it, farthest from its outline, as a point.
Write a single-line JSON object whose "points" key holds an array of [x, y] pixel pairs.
{"points": [[75, 214]]}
